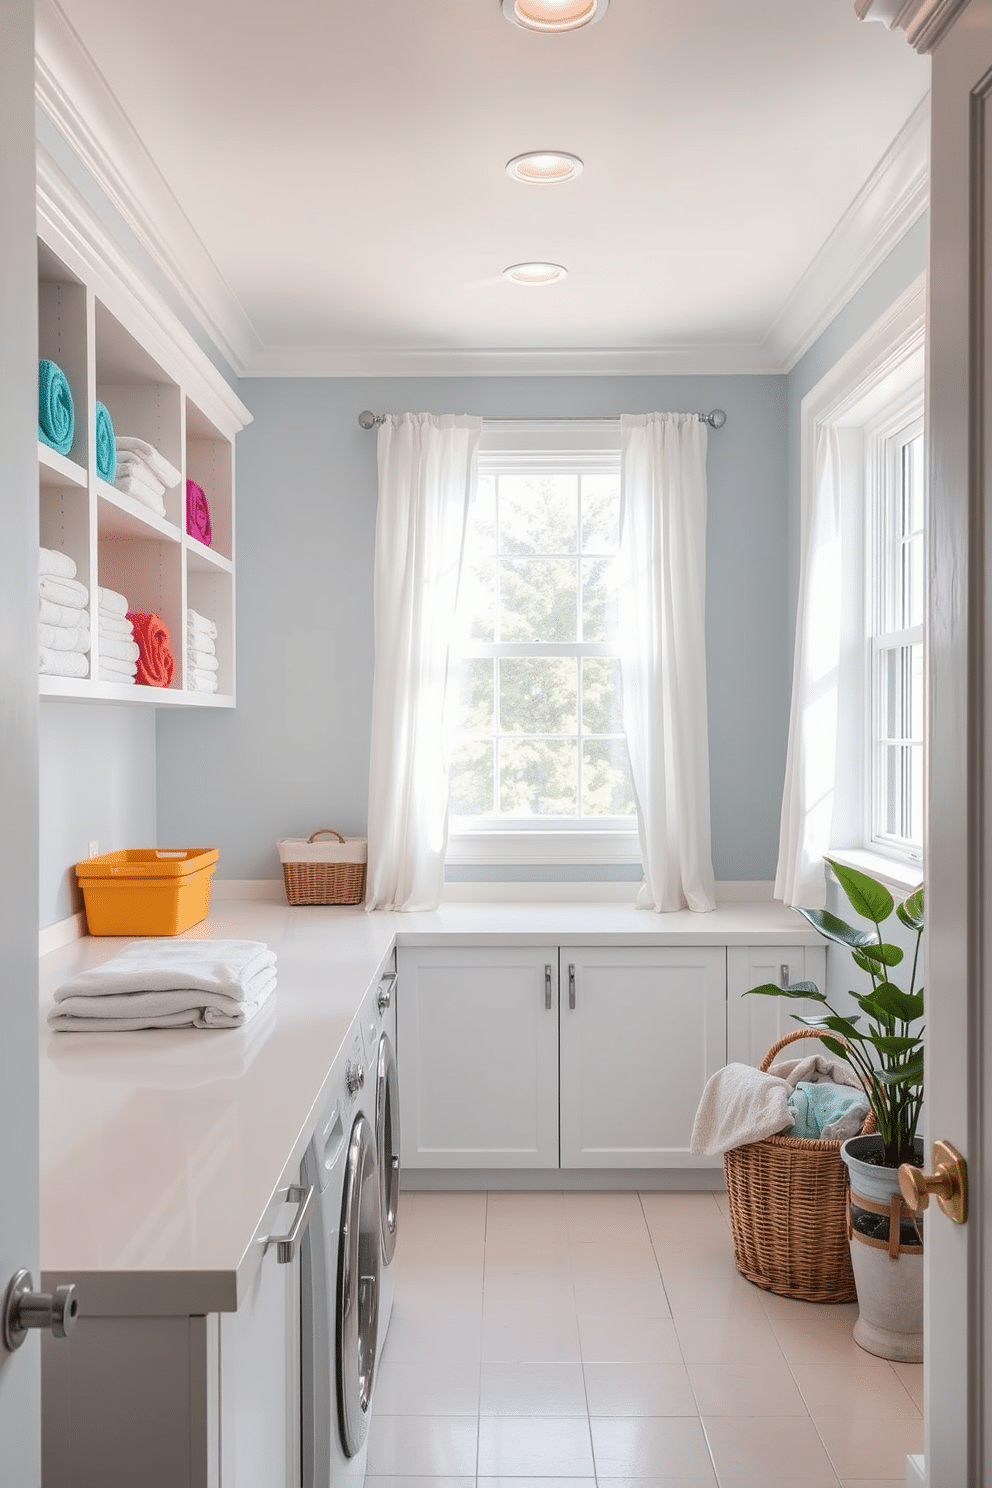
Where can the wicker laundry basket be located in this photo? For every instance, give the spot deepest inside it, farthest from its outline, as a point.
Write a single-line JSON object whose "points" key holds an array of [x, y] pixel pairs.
{"points": [[788, 1211], [324, 872]]}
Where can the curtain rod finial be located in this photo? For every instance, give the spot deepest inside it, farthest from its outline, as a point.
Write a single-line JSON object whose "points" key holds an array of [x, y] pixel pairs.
{"points": [[716, 419], [367, 419]]}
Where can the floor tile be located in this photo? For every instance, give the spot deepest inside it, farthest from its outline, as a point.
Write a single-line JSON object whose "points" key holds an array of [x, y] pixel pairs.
{"points": [[912, 1378], [404, 1388], [719, 1297], [872, 1393], [729, 1340], [869, 1449], [768, 1450], [650, 1447], [538, 1482], [535, 1446], [873, 1483], [638, 1390], [535, 1389], [619, 1295], [515, 1335], [414, 1339], [423, 1446], [408, 1482], [629, 1340], [742, 1390], [834, 1343]]}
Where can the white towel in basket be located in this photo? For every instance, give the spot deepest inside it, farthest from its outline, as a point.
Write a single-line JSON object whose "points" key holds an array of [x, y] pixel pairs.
{"points": [[739, 1104]]}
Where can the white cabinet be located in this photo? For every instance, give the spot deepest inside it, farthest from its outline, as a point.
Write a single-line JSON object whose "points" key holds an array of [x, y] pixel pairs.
{"points": [[477, 1048], [754, 1024], [159, 387], [642, 1030], [500, 1070]]}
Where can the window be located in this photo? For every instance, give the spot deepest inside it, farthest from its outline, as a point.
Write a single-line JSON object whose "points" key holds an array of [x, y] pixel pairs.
{"points": [[538, 736], [895, 607]]}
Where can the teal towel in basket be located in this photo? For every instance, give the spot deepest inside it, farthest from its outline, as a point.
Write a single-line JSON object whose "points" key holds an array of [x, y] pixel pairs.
{"points": [[56, 417], [106, 449]]}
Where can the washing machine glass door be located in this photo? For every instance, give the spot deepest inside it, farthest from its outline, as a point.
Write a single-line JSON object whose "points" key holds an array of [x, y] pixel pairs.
{"points": [[387, 1127], [358, 1290]]}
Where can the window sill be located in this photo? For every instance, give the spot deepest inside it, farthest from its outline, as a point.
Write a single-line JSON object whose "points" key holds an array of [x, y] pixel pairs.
{"points": [[546, 848], [895, 873]]}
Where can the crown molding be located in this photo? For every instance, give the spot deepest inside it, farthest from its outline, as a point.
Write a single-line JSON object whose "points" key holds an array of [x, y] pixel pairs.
{"points": [[923, 21], [895, 196], [72, 92]]}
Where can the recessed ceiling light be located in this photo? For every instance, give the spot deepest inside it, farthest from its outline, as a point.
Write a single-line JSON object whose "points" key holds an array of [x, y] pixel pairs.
{"points": [[535, 273], [542, 167], [554, 15]]}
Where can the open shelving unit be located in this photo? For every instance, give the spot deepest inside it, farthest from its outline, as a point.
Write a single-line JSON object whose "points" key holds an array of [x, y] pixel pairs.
{"points": [[127, 352]]}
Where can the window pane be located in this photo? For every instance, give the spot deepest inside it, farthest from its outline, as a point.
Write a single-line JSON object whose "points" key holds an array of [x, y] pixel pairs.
{"points": [[601, 513], [538, 513], [599, 599], [538, 777], [606, 788], [538, 695], [538, 599], [602, 712], [477, 598], [471, 779], [474, 698], [901, 692]]}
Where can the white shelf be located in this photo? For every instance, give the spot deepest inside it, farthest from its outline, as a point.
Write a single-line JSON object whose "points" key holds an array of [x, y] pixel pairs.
{"points": [[160, 389]]}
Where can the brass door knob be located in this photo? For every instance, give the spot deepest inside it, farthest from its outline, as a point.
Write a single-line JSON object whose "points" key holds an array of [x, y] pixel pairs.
{"points": [[948, 1181]]}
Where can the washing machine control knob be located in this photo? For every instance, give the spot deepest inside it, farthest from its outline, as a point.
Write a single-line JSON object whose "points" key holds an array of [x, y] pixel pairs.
{"points": [[354, 1077]]}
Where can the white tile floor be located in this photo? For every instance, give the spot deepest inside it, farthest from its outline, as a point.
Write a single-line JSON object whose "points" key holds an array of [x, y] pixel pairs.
{"points": [[550, 1340]]}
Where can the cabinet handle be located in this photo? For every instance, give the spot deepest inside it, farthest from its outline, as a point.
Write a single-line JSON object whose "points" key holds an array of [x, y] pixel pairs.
{"points": [[783, 974], [288, 1245], [571, 986], [384, 995], [547, 987]]}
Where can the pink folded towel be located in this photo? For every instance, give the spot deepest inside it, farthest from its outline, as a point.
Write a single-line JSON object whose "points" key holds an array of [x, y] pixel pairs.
{"points": [[197, 513]]}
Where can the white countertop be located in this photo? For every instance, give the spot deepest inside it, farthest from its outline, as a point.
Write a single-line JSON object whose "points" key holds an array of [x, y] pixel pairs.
{"points": [[162, 1151]]}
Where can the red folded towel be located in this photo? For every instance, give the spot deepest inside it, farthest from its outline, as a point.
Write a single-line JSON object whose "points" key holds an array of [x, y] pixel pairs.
{"points": [[156, 664], [197, 513]]}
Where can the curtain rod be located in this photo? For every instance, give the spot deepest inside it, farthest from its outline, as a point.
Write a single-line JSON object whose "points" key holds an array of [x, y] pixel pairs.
{"points": [[716, 419]]}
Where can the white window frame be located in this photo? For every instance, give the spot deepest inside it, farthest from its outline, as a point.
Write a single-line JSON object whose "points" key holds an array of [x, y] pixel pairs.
{"points": [[536, 446]]}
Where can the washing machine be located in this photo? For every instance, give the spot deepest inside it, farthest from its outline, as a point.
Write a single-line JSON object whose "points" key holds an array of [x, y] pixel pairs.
{"points": [[341, 1263], [379, 1029]]}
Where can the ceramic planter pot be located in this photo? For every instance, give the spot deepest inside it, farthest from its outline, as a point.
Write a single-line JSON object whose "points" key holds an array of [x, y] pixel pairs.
{"points": [[886, 1255]]}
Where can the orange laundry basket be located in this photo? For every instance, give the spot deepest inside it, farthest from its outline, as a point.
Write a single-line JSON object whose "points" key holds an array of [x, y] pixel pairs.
{"points": [[147, 890]]}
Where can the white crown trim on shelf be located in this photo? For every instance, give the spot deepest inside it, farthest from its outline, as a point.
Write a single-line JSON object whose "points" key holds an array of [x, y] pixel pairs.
{"points": [[404, 361], [923, 21], [74, 94]]}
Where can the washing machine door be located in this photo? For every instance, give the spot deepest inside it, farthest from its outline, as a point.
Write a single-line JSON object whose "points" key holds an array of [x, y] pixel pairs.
{"points": [[387, 1129], [358, 1286]]}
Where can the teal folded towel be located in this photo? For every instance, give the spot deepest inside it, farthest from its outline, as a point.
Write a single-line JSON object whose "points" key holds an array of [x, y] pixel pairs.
{"points": [[822, 1109], [106, 449], [56, 416]]}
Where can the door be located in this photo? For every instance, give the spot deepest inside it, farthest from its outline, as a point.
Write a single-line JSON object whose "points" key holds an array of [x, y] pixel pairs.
{"points": [[20, 1430], [642, 1030]]}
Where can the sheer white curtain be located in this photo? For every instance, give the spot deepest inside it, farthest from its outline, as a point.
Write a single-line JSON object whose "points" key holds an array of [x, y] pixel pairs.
{"points": [[811, 763], [662, 653], [426, 478]]}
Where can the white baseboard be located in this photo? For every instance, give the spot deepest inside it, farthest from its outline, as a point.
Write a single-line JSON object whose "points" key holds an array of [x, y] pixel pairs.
{"points": [[556, 1180], [248, 888], [63, 932]]}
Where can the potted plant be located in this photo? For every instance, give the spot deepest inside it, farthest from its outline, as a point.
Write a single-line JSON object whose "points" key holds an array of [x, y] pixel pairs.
{"points": [[884, 1045]]}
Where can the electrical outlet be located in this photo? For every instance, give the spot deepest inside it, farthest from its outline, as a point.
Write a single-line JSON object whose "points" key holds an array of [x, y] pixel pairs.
{"points": [[94, 848]]}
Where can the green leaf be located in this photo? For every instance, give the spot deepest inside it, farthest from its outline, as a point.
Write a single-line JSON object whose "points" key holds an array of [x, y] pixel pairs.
{"points": [[836, 1048], [910, 911], [887, 955], [860, 959], [832, 928], [897, 1044], [846, 1026], [907, 1074], [908, 1006], [867, 896], [800, 990]]}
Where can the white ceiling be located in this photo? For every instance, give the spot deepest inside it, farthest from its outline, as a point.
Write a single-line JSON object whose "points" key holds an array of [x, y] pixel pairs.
{"points": [[327, 177]]}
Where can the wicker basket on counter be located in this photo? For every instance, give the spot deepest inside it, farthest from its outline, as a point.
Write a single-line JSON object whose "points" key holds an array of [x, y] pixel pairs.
{"points": [[324, 872], [788, 1210]]}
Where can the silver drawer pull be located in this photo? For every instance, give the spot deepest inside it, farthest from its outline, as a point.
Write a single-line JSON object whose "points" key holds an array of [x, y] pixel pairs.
{"points": [[571, 985], [289, 1244], [547, 987], [783, 974]]}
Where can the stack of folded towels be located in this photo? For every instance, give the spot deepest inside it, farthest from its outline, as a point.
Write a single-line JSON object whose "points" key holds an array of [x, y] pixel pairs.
{"points": [[63, 619], [201, 653], [118, 653], [168, 984], [144, 473]]}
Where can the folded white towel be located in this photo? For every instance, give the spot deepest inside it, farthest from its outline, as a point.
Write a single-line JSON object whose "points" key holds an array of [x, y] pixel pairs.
{"points": [[118, 649], [157, 462], [198, 640], [68, 592], [62, 663], [814, 1069], [61, 638], [138, 470], [202, 661], [129, 485], [112, 603], [65, 615], [198, 681], [110, 625], [58, 565], [739, 1104], [168, 984], [120, 668], [196, 623], [105, 673]]}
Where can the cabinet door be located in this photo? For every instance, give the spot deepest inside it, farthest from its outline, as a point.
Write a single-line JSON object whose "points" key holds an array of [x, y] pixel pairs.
{"points": [[642, 1030], [754, 1024], [477, 1046]]}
